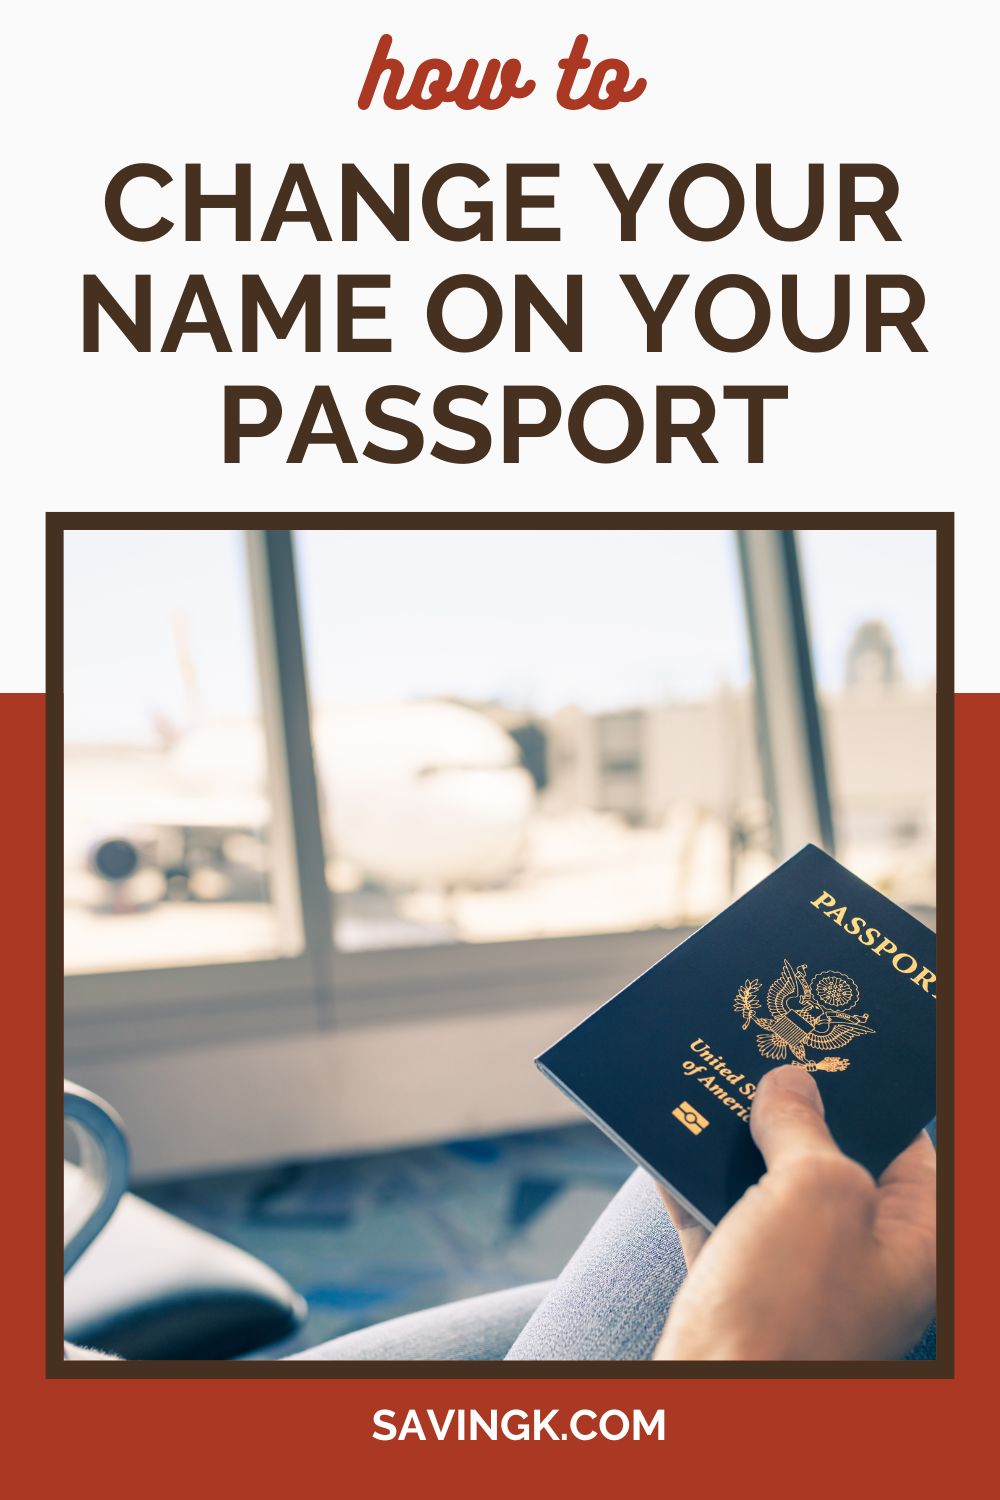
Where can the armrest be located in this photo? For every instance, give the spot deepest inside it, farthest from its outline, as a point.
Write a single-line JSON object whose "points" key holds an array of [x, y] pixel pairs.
{"points": [[91, 1194]]}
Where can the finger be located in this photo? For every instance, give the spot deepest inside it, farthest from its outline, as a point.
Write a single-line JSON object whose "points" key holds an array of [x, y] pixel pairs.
{"points": [[906, 1220], [691, 1234], [786, 1119], [914, 1167]]}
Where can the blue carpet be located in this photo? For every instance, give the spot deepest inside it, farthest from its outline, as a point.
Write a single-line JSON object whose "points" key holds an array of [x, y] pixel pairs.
{"points": [[366, 1238]]}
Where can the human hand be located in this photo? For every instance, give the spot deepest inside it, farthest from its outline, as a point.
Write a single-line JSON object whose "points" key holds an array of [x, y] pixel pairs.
{"points": [[817, 1260]]}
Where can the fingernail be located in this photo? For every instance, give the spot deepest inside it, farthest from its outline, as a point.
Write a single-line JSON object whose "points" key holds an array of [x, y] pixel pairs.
{"points": [[789, 1080]]}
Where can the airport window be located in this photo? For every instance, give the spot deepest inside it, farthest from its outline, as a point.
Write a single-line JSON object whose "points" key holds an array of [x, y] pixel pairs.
{"points": [[872, 614], [528, 734], [169, 855]]}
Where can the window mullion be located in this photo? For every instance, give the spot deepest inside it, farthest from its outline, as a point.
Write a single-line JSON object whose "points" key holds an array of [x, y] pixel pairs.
{"points": [[788, 719], [299, 857]]}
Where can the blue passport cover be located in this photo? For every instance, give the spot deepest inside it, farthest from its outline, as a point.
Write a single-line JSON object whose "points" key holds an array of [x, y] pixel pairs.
{"points": [[811, 967]]}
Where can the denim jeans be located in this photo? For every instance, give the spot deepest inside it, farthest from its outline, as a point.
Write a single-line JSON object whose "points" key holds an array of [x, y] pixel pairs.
{"points": [[609, 1302]]}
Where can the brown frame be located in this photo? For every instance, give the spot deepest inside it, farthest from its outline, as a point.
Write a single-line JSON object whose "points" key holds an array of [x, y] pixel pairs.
{"points": [[940, 522]]}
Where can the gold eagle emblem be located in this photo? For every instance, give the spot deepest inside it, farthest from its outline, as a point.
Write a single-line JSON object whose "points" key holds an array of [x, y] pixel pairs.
{"points": [[804, 1013]]}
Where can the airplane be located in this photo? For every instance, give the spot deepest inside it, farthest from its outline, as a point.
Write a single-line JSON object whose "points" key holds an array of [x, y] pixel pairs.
{"points": [[425, 794]]}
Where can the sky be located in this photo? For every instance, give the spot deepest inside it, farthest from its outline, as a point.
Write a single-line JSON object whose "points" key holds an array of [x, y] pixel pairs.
{"points": [[601, 619]]}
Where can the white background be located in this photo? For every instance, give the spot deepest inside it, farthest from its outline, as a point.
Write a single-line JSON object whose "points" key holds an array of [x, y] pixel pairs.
{"points": [[95, 87]]}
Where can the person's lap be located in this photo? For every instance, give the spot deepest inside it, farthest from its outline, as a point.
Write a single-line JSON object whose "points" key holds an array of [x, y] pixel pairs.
{"points": [[609, 1302], [475, 1328]]}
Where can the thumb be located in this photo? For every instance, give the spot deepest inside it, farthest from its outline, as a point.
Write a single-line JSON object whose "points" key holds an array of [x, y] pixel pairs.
{"points": [[787, 1121]]}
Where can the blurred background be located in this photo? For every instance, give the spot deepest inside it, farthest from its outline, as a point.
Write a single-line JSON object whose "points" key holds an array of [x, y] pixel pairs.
{"points": [[357, 821]]}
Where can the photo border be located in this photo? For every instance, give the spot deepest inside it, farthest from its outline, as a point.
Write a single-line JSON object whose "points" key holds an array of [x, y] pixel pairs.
{"points": [[939, 522]]}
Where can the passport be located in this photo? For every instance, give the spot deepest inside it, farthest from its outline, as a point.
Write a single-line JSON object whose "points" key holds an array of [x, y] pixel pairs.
{"points": [[812, 967]]}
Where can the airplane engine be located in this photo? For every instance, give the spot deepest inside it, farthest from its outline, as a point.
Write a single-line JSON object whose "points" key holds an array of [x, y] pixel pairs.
{"points": [[115, 859], [125, 869]]}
